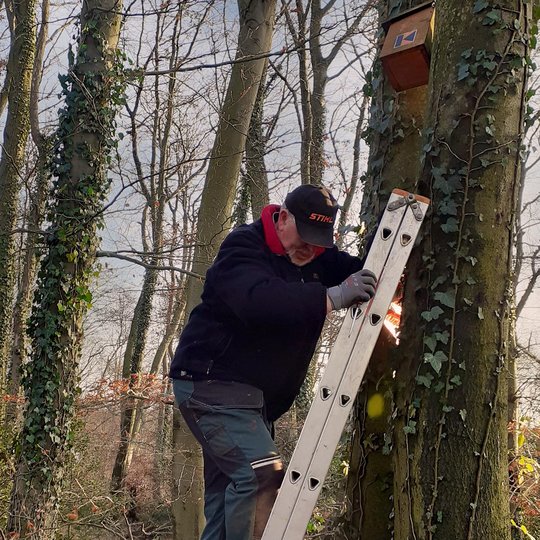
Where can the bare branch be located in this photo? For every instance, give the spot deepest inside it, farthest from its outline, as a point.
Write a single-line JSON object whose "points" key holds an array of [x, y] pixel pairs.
{"points": [[116, 255]]}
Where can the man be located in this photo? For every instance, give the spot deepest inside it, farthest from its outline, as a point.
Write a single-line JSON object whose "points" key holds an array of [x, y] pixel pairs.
{"points": [[245, 351]]}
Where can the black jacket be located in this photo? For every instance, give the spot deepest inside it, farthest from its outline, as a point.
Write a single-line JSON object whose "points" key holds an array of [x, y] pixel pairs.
{"points": [[260, 317]]}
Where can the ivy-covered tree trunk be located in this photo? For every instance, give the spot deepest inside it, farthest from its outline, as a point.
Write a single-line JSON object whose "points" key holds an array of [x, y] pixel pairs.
{"points": [[213, 223], [450, 456], [36, 215], [394, 136], [23, 300], [16, 130], [85, 138]]}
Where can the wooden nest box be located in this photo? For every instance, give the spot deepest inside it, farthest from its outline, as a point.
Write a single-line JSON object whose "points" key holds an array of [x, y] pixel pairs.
{"points": [[407, 46]]}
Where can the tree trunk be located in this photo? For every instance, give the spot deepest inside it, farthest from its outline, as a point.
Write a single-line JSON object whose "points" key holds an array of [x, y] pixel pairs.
{"points": [[36, 215], [255, 37], [85, 137], [17, 128], [132, 411], [355, 174], [24, 296], [395, 142], [133, 358], [451, 415], [317, 160], [257, 177]]}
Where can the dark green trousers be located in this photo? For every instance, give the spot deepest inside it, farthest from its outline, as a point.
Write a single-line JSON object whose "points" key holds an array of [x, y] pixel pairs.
{"points": [[242, 468]]}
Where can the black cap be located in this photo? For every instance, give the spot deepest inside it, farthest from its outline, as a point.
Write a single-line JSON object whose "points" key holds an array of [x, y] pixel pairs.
{"points": [[314, 210]]}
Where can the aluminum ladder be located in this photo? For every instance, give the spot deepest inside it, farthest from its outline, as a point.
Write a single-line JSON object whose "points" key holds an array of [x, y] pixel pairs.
{"points": [[345, 370]]}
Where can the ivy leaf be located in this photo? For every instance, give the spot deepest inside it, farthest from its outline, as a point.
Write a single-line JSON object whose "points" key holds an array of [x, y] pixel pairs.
{"points": [[479, 6], [456, 379], [448, 208], [410, 427], [438, 173], [463, 414], [433, 314], [443, 337], [439, 280], [451, 225], [448, 185], [438, 387], [447, 408], [480, 313], [424, 380], [446, 299], [463, 72], [492, 17], [431, 342], [435, 360]]}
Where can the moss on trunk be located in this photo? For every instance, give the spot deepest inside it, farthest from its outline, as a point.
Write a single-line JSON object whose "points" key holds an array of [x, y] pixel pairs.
{"points": [[16, 130]]}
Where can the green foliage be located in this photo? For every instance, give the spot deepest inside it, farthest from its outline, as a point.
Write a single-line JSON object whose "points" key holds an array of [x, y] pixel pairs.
{"points": [[6, 471]]}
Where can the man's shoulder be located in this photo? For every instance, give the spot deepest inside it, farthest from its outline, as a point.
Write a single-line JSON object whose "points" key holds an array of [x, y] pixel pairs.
{"points": [[248, 234]]}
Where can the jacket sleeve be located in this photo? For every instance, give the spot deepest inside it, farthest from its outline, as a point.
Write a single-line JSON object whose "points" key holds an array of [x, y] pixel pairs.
{"points": [[244, 279], [339, 265]]}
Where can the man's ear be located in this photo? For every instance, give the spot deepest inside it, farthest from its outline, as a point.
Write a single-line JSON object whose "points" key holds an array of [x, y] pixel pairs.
{"points": [[283, 216]]}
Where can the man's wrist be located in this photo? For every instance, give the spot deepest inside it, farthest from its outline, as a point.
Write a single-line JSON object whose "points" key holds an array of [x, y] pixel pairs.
{"points": [[329, 305], [334, 295]]}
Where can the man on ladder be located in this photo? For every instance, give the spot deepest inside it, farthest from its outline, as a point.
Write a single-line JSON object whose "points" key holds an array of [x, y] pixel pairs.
{"points": [[245, 351]]}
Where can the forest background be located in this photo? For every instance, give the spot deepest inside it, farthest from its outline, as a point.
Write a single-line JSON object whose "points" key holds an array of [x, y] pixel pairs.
{"points": [[137, 134]]}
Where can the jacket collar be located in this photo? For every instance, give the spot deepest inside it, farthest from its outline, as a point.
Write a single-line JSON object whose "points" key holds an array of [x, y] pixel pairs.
{"points": [[270, 234]]}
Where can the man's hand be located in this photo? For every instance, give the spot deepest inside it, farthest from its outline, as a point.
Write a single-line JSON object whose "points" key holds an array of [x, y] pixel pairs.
{"points": [[358, 287]]}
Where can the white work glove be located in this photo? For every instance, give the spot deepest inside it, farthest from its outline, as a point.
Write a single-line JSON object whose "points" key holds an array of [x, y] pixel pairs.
{"points": [[357, 288]]}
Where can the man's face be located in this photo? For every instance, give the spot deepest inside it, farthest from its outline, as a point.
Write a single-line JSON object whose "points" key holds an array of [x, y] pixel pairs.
{"points": [[300, 253]]}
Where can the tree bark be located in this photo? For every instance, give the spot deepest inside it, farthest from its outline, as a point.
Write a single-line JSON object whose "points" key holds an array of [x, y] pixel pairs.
{"points": [[395, 144], [85, 138], [451, 405], [23, 300], [394, 137], [214, 220], [17, 128], [36, 215], [257, 177]]}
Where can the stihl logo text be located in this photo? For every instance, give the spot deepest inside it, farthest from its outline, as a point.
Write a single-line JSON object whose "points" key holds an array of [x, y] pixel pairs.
{"points": [[321, 217]]}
